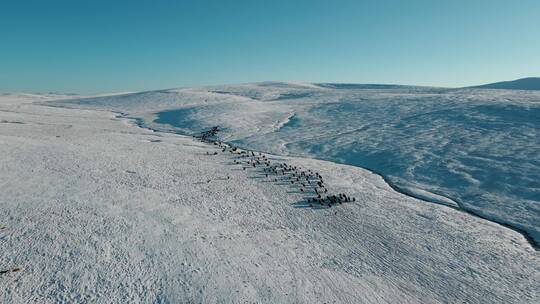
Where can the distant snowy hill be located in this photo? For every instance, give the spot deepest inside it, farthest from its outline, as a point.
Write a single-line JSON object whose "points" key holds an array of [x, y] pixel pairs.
{"points": [[14, 98], [530, 83]]}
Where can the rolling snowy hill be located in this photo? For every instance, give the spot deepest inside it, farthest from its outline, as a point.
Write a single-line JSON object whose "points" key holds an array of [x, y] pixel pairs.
{"points": [[530, 83], [473, 149], [96, 209]]}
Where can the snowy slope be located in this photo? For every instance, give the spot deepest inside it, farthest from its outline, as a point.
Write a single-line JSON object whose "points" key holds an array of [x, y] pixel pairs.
{"points": [[95, 209], [19, 98], [478, 150], [529, 83]]}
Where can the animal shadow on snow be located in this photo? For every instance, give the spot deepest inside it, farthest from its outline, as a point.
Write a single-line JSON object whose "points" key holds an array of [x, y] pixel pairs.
{"points": [[304, 204]]}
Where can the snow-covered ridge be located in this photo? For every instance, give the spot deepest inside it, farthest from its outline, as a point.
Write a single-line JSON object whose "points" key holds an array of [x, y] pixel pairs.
{"points": [[529, 83], [14, 98], [476, 148]]}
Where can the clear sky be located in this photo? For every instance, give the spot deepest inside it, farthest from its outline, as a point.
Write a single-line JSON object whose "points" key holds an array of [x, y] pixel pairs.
{"points": [[104, 46]]}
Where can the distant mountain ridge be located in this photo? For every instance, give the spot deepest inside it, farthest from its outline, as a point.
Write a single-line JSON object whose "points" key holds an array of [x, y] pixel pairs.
{"points": [[529, 83]]}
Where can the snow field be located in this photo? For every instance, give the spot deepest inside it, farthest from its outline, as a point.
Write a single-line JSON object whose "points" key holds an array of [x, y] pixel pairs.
{"points": [[95, 209]]}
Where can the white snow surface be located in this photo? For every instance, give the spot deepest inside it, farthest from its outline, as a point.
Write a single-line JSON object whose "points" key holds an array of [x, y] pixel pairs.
{"points": [[95, 209], [475, 149], [18, 98]]}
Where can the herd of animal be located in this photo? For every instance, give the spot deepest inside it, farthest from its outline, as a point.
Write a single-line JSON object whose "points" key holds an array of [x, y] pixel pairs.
{"points": [[307, 181]]}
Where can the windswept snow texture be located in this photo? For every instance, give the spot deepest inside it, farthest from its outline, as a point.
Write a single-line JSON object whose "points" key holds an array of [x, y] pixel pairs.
{"points": [[94, 209], [472, 148]]}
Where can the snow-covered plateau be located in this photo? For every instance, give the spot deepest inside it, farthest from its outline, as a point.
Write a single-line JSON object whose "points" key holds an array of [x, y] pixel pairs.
{"points": [[102, 200]]}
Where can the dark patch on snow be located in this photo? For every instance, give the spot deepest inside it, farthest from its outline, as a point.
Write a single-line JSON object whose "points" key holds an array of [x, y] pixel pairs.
{"points": [[529, 83], [12, 122]]}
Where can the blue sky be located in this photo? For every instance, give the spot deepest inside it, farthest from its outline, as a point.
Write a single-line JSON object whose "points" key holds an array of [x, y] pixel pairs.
{"points": [[105, 46]]}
